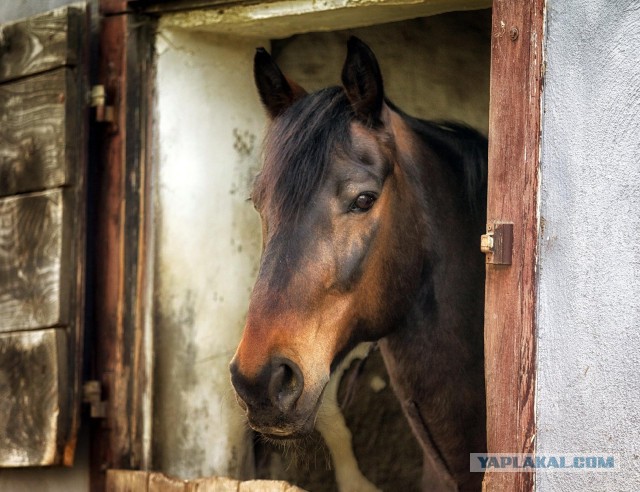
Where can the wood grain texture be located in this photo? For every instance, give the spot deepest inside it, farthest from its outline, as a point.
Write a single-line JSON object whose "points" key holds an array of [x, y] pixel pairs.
{"points": [[110, 442], [40, 43], [125, 63], [39, 144], [126, 481], [514, 142], [33, 402], [35, 279], [43, 146], [162, 483], [139, 481]]}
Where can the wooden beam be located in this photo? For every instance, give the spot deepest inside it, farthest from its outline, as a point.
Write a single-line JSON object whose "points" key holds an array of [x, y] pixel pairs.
{"points": [[125, 60], [139, 481], [514, 142], [110, 445]]}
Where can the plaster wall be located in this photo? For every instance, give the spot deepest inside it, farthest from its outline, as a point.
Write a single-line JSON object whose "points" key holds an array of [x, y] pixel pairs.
{"points": [[434, 67], [208, 242], [588, 386]]}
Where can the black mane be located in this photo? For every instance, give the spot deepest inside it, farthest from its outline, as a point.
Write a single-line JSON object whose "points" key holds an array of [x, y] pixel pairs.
{"points": [[298, 148], [463, 148], [299, 145]]}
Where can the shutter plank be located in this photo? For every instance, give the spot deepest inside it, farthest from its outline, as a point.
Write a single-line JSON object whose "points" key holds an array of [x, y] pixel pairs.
{"points": [[40, 43], [33, 399], [39, 121], [34, 271]]}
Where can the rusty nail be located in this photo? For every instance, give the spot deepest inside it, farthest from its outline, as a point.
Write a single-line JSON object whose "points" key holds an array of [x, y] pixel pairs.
{"points": [[514, 33]]}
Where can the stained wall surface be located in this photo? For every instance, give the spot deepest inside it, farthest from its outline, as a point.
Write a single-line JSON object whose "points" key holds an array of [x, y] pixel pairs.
{"points": [[433, 67], [209, 123], [588, 386]]}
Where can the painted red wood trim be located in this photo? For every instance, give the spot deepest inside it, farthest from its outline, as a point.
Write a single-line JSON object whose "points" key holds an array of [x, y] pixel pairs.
{"points": [[510, 304]]}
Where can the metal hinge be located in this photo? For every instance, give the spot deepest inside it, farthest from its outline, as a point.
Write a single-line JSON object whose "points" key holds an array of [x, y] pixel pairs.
{"points": [[103, 113], [92, 394], [497, 243]]}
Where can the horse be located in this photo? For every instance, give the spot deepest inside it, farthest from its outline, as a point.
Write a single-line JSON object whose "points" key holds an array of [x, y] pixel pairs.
{"points": [[370, 226]]}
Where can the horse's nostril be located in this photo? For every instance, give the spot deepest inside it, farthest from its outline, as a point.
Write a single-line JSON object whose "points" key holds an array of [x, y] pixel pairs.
{"points": [[241, 385], [286, 384]]}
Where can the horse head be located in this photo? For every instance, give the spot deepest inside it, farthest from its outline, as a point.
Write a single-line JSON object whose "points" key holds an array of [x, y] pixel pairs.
{"points": [[342, 238]]}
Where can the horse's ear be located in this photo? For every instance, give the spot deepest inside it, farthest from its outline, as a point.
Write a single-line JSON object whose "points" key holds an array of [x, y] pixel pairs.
{"points": [[362, 81], [276, 91]]}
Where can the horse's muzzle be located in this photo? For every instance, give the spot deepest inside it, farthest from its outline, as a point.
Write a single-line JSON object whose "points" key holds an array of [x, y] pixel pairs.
{"points": [[270, 398]]}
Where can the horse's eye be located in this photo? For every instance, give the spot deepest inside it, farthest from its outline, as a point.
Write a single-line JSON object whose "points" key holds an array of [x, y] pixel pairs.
{"points": [[363, 203]]}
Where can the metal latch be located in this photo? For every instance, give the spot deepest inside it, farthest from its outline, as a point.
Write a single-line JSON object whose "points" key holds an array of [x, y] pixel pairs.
{"points": [[497, 243], [104, 113], [92, 394]]}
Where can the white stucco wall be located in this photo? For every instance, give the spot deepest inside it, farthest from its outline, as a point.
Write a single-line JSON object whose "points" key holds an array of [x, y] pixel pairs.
{"points": [[209, 125], [588, 386]]}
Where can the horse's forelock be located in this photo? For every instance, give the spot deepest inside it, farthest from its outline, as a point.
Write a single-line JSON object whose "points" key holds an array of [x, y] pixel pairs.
{"points": [[298, 149]]}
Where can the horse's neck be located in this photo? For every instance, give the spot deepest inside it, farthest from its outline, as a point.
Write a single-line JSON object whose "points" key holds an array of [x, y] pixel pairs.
{"points": [[435, 358], [439, 380], [440, 341]]}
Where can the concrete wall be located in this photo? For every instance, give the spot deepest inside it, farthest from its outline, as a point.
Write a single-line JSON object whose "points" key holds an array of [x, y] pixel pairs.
{"points": [[588, 387]]}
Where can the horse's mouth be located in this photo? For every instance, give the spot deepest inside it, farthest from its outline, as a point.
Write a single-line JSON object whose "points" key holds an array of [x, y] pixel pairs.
{"points": [[295, 429], [286, 436], [292, 430]]}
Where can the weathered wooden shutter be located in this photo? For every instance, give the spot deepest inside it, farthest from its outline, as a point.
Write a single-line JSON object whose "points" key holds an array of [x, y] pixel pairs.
{"points": [[42, 234]]}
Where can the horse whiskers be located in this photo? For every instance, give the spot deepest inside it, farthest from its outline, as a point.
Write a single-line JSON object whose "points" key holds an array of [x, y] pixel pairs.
{"points": [[299, 453]]}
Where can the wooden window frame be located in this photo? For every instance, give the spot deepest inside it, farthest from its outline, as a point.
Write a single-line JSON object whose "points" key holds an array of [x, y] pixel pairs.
{"points": [[510, 304], [511, 290], [122, 363]]}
